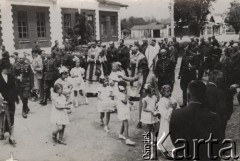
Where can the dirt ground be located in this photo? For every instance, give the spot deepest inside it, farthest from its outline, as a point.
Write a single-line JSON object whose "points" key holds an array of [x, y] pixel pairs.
{"points": [[86, 139]]}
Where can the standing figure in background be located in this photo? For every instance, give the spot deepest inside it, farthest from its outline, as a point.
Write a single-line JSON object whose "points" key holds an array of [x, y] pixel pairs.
{"points": [[187, 72], [164, 70], [124, 56], [24, 78], [144, 46], [112, 56], [151, 53], [49, 76]]}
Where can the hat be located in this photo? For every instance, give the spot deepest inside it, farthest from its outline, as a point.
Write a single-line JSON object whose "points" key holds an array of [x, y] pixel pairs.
{"points": [[63, 69]]}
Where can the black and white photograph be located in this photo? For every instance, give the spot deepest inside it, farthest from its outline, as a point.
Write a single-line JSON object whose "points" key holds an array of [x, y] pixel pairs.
{"points": [[119, 80]]}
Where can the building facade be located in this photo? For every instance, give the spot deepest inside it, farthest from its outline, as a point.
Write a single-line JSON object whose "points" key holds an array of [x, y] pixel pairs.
{"points": [[22, 22]]}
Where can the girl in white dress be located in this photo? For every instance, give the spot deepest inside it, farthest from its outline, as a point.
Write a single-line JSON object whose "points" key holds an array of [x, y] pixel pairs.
{"points": [[165, 107], [123, 110], [106, 103], [77, 74], [66, 83], [149, 108], [59, 116]]}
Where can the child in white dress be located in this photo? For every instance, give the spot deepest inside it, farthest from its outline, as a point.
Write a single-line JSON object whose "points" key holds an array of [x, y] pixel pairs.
{"points": [[59, 116], [114, 75], [77, 74], [123, 109], [165, 107], [149, 108], [66, 83], [106, 103]]}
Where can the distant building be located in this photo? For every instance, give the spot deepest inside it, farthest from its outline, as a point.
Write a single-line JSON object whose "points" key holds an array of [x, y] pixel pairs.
{"points": [[24, 21], [215, 26], [153, 30]]}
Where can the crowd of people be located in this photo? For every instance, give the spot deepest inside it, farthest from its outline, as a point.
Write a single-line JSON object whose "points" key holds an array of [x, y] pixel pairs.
{"points": [[147, 69]]}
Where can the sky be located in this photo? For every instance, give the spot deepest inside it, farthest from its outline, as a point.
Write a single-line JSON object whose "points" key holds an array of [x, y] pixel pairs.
{"points": [[159, 8]]}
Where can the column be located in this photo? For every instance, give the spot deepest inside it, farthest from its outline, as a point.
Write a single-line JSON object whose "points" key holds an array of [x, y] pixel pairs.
{"points": [[97, 26], [7, 26], [56, 24], [119, 25]]}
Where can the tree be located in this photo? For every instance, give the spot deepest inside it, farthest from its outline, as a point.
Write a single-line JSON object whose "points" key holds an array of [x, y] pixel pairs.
{"points": [[132, 21], [233, 16], [192, 13]]}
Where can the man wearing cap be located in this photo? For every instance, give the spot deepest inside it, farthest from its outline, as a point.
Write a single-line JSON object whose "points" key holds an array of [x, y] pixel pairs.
{"points": [[123, 56], [49, 76], [24, 80], [151, 53], [164, 70], [112, 56]]}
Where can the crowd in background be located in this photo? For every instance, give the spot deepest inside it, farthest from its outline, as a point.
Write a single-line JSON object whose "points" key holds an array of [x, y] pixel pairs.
{"points": [[150, 67]]}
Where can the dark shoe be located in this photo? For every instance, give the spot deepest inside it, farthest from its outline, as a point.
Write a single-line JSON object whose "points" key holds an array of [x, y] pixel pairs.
{"points": [[61, 142], [12, 142], [24, 115], [27, 111], [1, 137], [139, 125], [54, 138]]}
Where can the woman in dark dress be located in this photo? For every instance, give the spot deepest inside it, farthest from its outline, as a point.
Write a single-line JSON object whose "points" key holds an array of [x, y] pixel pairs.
{"points": [[8, 92]]}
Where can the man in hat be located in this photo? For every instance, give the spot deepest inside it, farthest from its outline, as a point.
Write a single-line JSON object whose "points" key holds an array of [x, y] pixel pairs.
{"points": [[49, 76], [164, 70], [123, 56], [24, 80]]}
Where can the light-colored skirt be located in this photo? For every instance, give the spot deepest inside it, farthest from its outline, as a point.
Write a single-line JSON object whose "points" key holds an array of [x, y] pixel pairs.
{"points": [[59, 117], [123, 111]]}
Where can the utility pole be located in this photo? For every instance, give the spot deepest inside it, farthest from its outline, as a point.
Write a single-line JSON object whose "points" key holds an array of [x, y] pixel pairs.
{"points": [[172, 18]]}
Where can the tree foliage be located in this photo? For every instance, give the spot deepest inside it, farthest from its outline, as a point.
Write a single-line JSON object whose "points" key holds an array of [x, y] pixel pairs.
{"points": [[233, 16], [128, 23], [192, 13]]}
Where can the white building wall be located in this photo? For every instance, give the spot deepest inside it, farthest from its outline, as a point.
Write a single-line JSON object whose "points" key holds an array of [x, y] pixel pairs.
{"points": [[55, 7], [56, 24], [7, 26]]}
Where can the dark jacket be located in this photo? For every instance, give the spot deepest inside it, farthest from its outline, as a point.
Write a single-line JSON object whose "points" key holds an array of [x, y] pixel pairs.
{"points": [[195, 122], [8, 90], [217, 100]]}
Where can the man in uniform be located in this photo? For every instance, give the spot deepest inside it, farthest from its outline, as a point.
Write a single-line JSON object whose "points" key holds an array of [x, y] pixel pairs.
{"points": [[164, 70], [24, 79], [123, 56], [63, 59], [144, 46], [187, 72], [50, 73]]}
